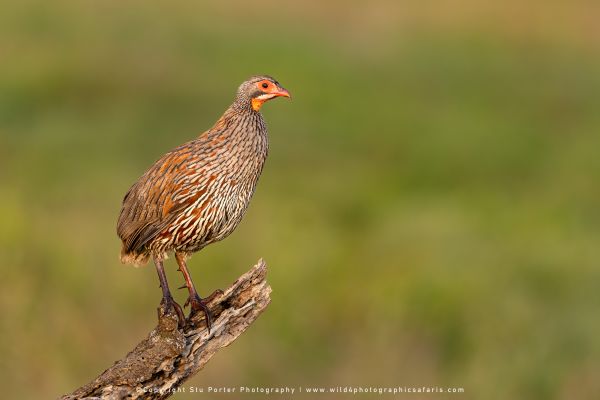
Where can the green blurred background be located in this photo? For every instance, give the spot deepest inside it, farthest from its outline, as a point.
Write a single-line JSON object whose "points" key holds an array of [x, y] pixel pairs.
{"points": [[429, 210]]}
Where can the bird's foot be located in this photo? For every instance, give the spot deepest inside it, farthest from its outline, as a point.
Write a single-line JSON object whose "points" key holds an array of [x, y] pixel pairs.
{"points": [[198, 304], [167, 306]]}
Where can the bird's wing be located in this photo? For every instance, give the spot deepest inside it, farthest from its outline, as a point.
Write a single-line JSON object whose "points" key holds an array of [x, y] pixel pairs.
{"points": [[172, 184]]}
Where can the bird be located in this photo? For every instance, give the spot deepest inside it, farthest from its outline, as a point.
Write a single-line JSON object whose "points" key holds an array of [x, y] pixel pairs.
{"points": [[197, 193]]}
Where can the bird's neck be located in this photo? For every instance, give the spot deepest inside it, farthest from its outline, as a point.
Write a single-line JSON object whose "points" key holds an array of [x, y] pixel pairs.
{"points": [[242, 104], [239, 135], [241, 113], [241, 124]]}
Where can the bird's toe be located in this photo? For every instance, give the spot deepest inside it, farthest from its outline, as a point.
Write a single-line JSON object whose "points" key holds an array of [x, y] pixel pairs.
{"points": [[168, 306]]}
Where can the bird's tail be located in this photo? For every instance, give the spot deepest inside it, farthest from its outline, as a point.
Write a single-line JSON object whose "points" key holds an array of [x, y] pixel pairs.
{"points": [[133, 258]]}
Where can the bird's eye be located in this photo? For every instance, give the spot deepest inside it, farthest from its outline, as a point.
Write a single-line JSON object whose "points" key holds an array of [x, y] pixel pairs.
{"points": [[265, 85]]}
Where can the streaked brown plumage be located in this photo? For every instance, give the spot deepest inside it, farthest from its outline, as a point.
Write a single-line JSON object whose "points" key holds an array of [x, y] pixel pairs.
{"points": [[198, 193]]}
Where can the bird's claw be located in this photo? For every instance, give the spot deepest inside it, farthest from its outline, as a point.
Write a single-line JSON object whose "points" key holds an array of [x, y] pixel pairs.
{"points": [[167, 305], [198, 304]]}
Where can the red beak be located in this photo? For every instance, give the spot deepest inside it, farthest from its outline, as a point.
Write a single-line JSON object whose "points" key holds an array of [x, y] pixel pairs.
{"points": [[281, 92]]}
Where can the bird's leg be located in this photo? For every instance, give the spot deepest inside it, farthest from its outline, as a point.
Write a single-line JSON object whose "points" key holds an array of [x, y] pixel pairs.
{"points": [[167, 301], [194, 300]]}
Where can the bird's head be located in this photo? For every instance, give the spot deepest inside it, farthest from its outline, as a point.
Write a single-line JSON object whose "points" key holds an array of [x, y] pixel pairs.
{"points": [[259, 89]]}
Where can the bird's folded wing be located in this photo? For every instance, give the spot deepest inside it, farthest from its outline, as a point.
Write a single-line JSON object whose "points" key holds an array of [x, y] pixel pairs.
{"points": [[173, 183]]}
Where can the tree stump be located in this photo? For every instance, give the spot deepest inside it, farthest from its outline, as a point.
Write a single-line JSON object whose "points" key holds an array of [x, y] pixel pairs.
{"points": [[170, 355]]}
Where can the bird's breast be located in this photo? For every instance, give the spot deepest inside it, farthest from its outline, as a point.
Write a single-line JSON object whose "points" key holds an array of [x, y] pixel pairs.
{"points": [[227, 184]]}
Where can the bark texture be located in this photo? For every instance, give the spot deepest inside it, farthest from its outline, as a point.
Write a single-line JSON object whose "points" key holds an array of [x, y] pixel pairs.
{"points": [[169, 355]]}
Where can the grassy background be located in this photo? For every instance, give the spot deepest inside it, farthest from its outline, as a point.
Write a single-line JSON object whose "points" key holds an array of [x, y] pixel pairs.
{"points": [[429, 210]]}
